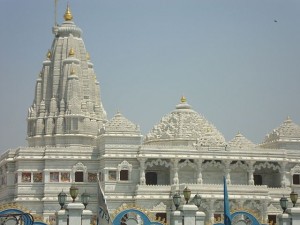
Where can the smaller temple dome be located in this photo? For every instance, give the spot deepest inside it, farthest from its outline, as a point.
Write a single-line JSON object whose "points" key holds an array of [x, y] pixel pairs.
{"points": [[120, 125], [184, 126], [288, 129], [240, 141], [288, 132]]}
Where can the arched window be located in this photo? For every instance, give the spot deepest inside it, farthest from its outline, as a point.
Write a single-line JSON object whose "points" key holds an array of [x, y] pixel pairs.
{"points": [[124, 169], [296, 179], [124, 175], [79, 176], [79, 172]]}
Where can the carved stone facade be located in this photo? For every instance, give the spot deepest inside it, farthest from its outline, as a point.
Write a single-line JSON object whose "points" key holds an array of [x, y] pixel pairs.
{"points": [[71, 141]]}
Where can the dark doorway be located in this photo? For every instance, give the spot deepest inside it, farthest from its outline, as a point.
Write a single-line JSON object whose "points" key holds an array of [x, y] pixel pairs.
{"points": [[151, 178], [257, 179]]}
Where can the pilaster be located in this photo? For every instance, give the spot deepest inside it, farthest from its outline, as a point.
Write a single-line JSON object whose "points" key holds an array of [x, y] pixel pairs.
{"points": [[175, 171], [199, 170]]}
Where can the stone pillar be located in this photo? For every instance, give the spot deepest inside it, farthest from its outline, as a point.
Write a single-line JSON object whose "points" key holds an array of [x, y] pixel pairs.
{"points": [[61, 217], [86, 217], [200, 218], [176, 218], [75, 210], [294, 214], [189, 214], [284, 219], [199, 170]]}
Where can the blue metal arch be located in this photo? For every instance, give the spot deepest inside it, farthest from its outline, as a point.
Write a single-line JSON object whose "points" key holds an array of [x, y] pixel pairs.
{"points": [[250, 216], [143, 216], [27, 218]]}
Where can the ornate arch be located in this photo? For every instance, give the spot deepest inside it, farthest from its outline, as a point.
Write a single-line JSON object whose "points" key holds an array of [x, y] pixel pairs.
{"points": [[213, 163], [125, 166], [187, 163], [266, 165], [295, 170], [158, 162], [239, 164], [79, 167]]}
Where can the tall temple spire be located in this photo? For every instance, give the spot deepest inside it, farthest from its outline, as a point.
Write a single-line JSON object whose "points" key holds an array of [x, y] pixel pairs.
{"points": [[67, 108]]}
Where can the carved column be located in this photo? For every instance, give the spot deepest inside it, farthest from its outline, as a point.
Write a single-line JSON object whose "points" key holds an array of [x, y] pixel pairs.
{"points": [[175, 171], [211, 211], [199, 170], [250, 173], [227, 171], [265, 211], [283, 174], [142, 172]]}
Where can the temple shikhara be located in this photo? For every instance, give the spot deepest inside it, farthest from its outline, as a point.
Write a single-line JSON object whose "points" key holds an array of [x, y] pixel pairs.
{"points": [[72, 141]]}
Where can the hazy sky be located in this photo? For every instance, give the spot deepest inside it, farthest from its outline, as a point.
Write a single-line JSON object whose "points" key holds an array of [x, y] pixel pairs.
{"points": [[235, 64]]}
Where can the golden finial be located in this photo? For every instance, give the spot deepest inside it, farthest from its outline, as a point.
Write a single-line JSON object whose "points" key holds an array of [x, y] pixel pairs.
{"points": [[48, 54], [68, 14], [88, 57], [183, 99], [71, 52]]}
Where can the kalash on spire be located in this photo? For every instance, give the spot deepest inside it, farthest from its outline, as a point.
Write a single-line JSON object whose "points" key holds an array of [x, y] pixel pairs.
{"points": [[67, 109]]}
